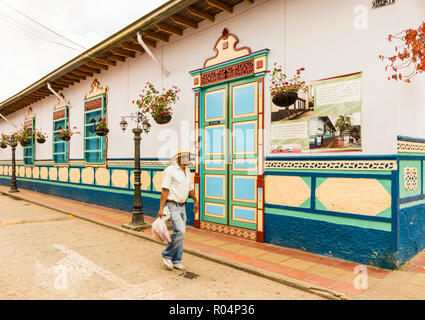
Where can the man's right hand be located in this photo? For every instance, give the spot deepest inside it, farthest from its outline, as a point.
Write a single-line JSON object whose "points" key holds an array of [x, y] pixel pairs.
{"points": [[161, 213]]}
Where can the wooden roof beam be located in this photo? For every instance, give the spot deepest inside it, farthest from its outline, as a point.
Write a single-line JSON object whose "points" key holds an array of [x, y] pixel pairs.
{"points": [[184, 22], [75, 76], [96, 65], [116, 58], [155, 36], [169, 29], [150, 43], [58, 84], [88, 69], [105, 62], [220, 5], [70, 78], [81, 73], [61, 81], [123, 52], [200, 14], [133, 47]]}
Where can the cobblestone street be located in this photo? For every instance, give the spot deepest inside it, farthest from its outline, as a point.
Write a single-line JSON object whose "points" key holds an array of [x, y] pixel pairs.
{"points": [[49, 255]]}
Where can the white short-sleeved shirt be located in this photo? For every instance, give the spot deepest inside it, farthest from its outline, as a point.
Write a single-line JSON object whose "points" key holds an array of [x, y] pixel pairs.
{"points": [[177, 182]]}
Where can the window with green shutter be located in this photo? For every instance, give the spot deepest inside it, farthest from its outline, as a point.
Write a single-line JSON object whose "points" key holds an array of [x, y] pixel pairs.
{"points": [[94, 145], [60, 147], [29, 151]]}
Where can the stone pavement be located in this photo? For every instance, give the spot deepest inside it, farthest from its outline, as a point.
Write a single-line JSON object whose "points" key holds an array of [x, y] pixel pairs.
{"points": [[326, 276]]}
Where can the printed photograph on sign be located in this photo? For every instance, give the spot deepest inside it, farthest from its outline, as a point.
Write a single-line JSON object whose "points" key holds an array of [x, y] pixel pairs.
{"points": [[326, 117]]}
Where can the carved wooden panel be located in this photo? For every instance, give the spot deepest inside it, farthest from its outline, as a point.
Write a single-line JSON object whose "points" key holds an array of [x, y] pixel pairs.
{"points": [[93, 104], [231, 72]]}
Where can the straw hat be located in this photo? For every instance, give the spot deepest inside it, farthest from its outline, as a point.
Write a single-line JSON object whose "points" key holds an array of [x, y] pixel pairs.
{"points": [[180, 153]]}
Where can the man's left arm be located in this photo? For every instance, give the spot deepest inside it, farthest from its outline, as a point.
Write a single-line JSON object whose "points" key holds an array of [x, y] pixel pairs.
{"points": [[195, 199]]}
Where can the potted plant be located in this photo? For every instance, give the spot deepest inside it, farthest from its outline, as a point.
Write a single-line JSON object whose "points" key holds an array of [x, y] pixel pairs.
{"points": [[66, 134], [40, 137], [343, 125], [285, 92], [159, 105], [3, 141], [101, 127], [24, 136]]}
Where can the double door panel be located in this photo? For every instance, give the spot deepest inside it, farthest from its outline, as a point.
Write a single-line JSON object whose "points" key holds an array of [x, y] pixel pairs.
{"points": [[229, 154]]}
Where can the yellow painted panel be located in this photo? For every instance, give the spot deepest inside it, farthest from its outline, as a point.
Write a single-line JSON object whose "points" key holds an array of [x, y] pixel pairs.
{"points": [[87, 176], [44, 173], [119, 178], [74, 175], [157, 181], [28, 172], [102, 177], [36, 172], [350, 195], [286, 191], [53, 174], [63, 174]]}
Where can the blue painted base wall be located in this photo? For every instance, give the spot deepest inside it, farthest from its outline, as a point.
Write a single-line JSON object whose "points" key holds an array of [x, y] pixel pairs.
{"points": [[364, 246], [102, 198], [412, 232]]}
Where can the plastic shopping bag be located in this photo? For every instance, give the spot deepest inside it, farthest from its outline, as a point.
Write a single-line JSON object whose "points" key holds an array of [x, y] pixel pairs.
{"points": [[159, 228]]}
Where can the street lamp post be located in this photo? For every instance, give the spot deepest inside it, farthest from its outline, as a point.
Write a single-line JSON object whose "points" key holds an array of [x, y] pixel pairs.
{"points": [[137, 222], [13, 186]]}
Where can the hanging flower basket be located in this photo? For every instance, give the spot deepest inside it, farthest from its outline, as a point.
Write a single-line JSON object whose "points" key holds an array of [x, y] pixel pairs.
{"points": [[285, 99], [25, 143], [66, 135], [162, 118], [40, 137], [24, 136], [102, 131], [157, 104], [285, 91], [3, 141], [101, 128]]}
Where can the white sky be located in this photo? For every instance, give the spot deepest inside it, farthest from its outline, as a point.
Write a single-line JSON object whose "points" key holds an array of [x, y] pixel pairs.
{"points": [[24, 58]]}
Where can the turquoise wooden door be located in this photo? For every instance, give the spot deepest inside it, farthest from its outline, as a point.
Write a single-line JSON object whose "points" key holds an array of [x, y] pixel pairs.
{"points": [[229, 154], [214, 152], [243, 151]]}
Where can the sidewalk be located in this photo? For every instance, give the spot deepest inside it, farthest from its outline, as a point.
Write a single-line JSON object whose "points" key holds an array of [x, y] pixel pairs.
{"points": [[328, 277]]}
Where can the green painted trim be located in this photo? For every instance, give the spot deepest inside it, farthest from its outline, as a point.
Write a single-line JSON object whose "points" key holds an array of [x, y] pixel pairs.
{"points": [[411, 204], [383, 226]]}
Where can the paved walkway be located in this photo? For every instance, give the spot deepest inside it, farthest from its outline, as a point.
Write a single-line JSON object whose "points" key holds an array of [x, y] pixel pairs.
{"points": [[331, 277]]}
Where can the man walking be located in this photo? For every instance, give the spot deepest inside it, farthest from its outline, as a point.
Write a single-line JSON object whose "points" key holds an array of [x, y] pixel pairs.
{"points": [[176, 187]]}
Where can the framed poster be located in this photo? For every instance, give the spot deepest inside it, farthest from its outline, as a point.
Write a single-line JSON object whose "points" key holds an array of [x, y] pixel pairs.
{"points": [[325, 118]]}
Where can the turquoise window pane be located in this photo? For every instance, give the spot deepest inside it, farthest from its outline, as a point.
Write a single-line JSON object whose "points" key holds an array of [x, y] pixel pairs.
{"points": [[244, 100], [60, 125], [93, 156], [215, 210], [247, 214], [214, 105], [93, 144], [244, 188], [214, 140], [214, 186], [244, 137]]}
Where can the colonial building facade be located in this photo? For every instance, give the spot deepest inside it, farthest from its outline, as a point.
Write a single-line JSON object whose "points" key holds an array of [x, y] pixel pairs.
{"points": [[287, 176]]}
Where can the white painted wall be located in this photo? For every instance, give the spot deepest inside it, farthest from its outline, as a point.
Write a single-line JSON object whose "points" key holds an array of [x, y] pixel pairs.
{"points": [[317, 34]]}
